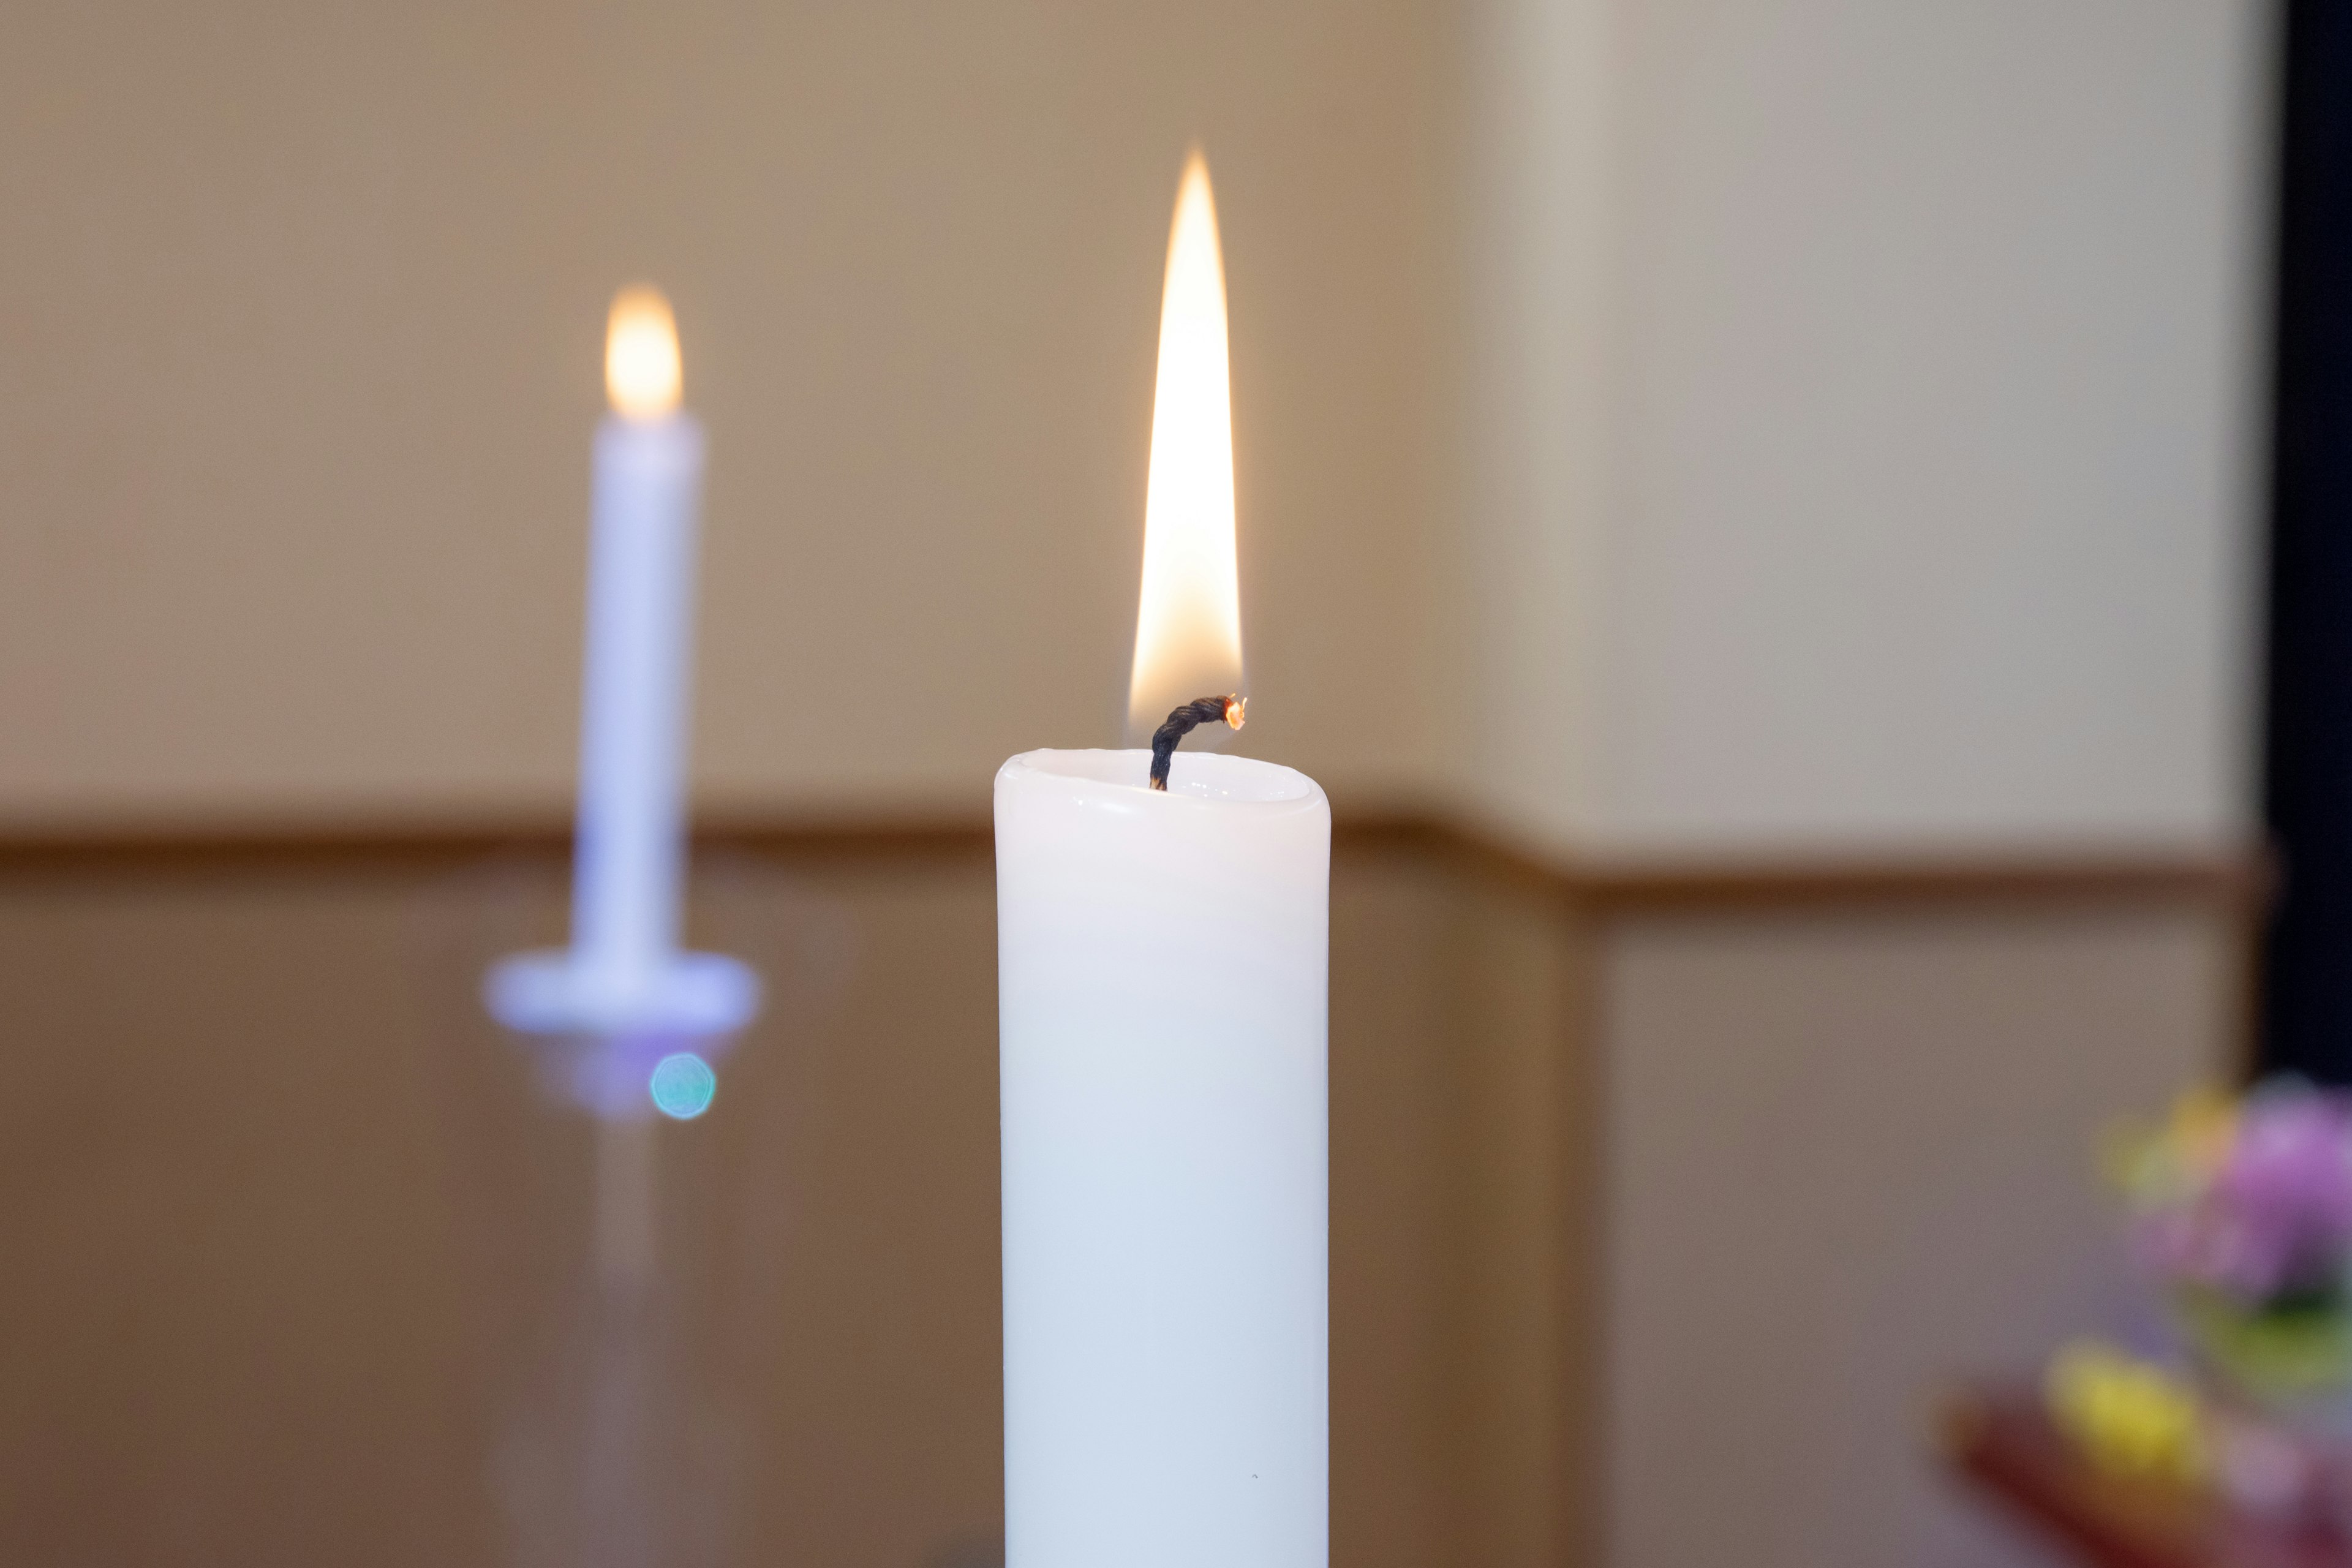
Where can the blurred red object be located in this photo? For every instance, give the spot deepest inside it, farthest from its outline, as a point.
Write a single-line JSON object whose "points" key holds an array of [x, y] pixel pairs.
{"points": [[2002, 1443]]}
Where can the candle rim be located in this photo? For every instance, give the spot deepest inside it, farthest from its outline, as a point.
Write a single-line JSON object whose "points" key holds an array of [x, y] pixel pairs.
{"points": [[1083, 769], [677, 431]]}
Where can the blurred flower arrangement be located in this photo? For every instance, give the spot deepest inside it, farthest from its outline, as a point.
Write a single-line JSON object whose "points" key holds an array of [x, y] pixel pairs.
{"points": [[2241, 1211], [2242, 1216]]}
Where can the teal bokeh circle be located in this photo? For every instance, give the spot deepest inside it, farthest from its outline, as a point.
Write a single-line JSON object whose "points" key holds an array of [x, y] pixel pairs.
{"points": [[682, 1086]]}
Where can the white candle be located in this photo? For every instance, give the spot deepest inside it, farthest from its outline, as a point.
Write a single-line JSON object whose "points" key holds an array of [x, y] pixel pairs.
{"points": [[624, 974], [1161, 986], [1160, 975], [631, 829]]}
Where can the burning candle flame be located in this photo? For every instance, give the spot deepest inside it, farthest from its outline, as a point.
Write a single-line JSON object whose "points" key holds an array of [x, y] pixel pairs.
{"points": [[641, 363], [1188, 627]]}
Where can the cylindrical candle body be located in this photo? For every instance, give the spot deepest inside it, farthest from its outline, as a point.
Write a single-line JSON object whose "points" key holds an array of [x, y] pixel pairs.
{"points": [[635, 705], [1162, 963]]}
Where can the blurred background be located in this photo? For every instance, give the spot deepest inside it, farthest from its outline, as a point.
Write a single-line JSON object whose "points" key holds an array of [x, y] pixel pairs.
{"points": [[1755, 512]]}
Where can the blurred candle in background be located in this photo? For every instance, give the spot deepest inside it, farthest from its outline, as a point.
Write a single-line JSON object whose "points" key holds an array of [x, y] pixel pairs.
{"points": [[624, 977], [1162, 993], [638, 669]]}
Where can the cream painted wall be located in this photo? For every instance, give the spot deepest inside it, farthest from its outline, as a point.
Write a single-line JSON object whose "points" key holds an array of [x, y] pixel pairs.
{"points": [[301, 352], [1875, 422], [1861, 410], [1526, 612], [1845, 440]]}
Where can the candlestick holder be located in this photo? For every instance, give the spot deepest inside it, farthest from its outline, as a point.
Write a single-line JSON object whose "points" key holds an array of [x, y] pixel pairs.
{"points": [[706, 997], [621, 1216]]}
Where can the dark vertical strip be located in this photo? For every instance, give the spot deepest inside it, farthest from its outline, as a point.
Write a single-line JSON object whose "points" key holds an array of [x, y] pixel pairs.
{"points": [[2307, 987]]}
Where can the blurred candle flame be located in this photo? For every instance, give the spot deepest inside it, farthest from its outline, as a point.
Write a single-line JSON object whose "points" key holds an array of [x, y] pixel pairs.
{"points": [[1188, 627], [641, 362]]}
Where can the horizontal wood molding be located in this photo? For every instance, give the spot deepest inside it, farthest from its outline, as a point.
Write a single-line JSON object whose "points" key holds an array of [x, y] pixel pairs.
{"points": [[310, 845], [2239, 882]]}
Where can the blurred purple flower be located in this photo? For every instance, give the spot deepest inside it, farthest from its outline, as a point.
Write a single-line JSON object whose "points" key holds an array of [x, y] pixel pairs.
{"points": [[2276, 1219]]}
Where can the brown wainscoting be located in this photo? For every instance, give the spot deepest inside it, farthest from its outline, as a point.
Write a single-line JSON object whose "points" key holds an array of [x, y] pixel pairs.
{"points": [[2239, 881], [206, 848], [2235, 888], [1471, 1145], [2234, 882]]}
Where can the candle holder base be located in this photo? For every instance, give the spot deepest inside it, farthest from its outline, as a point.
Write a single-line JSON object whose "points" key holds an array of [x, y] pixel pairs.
{"points": [[692, 995]]}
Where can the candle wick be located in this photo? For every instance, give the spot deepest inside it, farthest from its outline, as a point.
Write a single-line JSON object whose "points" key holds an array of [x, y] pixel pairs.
{"points": [[1202, 710]]}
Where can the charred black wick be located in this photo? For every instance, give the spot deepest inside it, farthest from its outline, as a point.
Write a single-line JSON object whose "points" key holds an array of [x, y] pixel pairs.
{"points": [[1203, 710]]}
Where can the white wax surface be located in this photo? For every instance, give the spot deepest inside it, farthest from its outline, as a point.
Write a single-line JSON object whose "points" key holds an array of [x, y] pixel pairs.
{"points": [[1162, 993], [635, 705]]}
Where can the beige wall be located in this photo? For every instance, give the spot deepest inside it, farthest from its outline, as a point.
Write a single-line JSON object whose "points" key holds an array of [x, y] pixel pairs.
{"points": [[1860, 419], [301, 358], [1520, 638], [1871, 422], [1666, 427]]}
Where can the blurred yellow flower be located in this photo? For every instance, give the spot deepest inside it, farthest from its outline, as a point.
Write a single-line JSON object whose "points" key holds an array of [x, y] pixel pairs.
{"points": [[2127, 1415], [2171, 1163], [2204, 1124]]}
